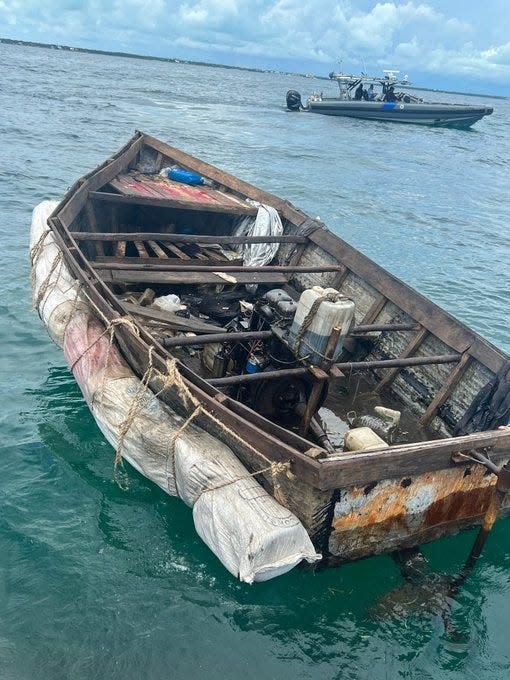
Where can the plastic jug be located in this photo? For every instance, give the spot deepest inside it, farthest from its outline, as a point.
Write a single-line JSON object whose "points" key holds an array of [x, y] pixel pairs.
{"points": [[335, 312]]}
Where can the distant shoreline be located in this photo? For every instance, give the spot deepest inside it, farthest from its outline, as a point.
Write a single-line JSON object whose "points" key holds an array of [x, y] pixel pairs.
{"points": [[129, 55], [172, 60]]}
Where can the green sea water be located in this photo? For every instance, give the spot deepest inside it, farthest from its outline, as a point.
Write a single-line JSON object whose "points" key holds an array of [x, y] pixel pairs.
{"points": [[96, 582]]}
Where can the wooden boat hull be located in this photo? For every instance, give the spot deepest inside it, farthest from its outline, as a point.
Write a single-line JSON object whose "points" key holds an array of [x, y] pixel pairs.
{"points": [[352, 504]]}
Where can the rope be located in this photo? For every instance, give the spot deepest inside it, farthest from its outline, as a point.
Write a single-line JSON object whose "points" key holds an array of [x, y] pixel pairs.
{"points": [[172, 378], [328, 297]]}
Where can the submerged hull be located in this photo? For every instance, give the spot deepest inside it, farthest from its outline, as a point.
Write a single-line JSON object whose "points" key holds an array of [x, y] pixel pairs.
{"points": [[120, 230], [401, 112]]}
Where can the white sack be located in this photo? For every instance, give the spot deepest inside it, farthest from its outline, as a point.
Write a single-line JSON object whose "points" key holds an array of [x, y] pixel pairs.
{"points": [[267, 223], [59, 291], [254, 536]]}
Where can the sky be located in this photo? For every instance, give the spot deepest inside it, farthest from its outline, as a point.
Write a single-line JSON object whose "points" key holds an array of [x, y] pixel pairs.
{"points": [[460, 45]]}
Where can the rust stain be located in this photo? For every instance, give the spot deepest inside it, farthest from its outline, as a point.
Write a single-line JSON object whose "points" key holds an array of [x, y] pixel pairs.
{"points": [[458, 505], [395, 513]]}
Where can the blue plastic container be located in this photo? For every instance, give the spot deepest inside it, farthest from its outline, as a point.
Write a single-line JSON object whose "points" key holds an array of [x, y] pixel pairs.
{"points": [[253, 365], [185, 176]]}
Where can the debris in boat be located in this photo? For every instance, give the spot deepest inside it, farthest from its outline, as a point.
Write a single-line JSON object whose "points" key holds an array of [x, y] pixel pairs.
{"points": [[388, 414], [362, 439], [226, 277], [168, 303], [267, 223], [491, 406], [147, 297], [178, 174]]}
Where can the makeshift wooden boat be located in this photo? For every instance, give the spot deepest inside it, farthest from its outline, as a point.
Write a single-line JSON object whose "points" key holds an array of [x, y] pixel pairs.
{"points": [[235, 359]]}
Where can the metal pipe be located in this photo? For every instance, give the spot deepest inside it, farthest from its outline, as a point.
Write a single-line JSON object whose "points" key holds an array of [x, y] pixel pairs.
{"points": [[346, 366]]}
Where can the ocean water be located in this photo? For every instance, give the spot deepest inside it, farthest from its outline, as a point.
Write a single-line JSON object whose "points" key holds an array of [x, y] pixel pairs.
{"points": [[100, 583]]}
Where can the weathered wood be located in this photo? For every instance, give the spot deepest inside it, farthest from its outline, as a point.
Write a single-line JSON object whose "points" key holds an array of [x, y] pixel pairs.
{"points": [[175, 203], [373, 327], [203, 267], [91, 217], [158, 250], [320, 378], [142, 250], [183, 341], [178, 251], [176, 262], [76, 198], [345, 366], [120, 249], [446, 390], [164, 237], [375, 309], [406, 460], [437, 321], [190, 278], [330, 347], [411, 347], [170, 319]]}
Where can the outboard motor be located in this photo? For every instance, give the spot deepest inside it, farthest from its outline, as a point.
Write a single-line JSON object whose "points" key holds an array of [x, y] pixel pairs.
{"points": [[294, 102]]}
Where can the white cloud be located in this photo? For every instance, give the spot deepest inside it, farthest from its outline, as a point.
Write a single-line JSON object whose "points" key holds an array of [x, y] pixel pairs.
{"points": [[432, 36]]}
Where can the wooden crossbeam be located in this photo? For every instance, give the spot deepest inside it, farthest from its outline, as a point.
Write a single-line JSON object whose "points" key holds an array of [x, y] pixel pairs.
{"points": [[170, 319], [183, 238], [144, 265], [446, 390], [191, 278]]}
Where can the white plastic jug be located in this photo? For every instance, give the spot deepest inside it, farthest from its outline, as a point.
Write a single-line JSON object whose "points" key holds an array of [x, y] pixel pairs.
{"points": [[332, 310]]}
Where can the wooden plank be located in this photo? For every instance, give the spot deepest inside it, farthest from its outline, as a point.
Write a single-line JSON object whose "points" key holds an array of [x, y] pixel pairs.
{"points": [[375, 327], [441, 324], [174, 261], [142, 250], [177, 251], [446, 390], [169, 318], [190, 278], [91, 217], [320, 377], [163, 237], [178, 204], [408, 351], [136, 184], [203, 266], [120, 248], [406, 460], [158, 249], [375, 309]]}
